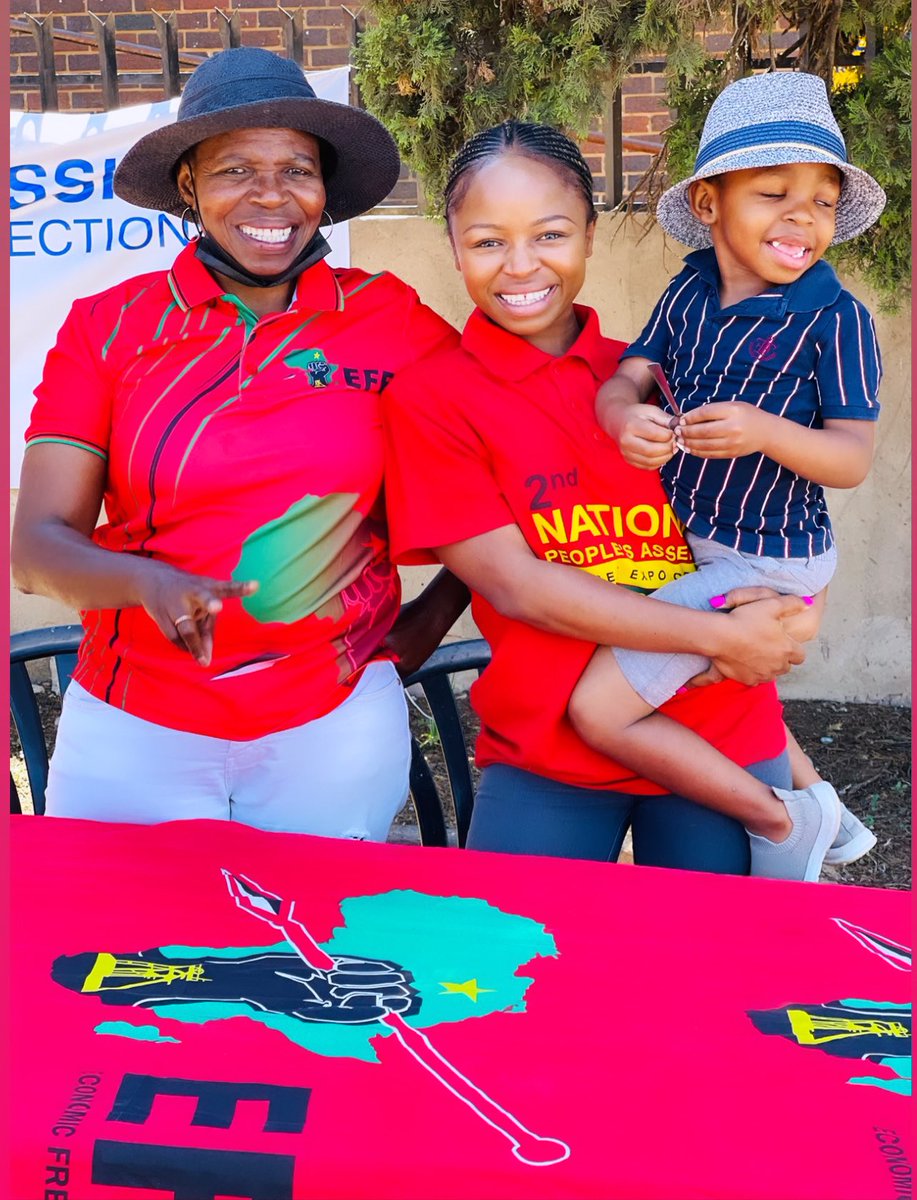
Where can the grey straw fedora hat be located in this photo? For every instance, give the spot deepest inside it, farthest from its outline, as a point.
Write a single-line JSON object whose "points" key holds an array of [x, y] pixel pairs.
{"points": [[768, 121], [246, 88]]}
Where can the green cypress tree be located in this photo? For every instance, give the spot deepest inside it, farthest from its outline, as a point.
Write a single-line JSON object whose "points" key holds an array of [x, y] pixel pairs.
{"points": [[437, 71]]}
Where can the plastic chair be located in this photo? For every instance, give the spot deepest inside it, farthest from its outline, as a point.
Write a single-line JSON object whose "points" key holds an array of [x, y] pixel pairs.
{"points": [[434, 678], [60, 643]]}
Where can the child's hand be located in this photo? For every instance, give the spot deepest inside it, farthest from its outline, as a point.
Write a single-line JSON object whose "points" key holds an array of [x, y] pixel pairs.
{"points": [[645, 437], [725, 429]]}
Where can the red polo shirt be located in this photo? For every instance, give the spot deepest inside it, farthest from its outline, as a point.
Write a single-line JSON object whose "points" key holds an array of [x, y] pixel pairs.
{"points": [[243, 448], [496, 432]]}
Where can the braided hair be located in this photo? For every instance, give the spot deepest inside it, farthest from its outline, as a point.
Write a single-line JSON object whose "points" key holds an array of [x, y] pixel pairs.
{"points": [[541, 142]]}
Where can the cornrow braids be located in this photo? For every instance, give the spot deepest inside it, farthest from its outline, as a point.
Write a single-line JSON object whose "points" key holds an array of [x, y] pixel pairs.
{"points": [[541, 142]]}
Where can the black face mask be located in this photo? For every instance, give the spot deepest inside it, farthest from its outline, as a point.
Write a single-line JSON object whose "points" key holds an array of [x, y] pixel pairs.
{"points": [[212, 255]]}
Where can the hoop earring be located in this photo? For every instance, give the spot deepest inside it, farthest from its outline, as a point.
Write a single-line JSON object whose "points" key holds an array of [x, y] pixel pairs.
{"points": [[188, 214], [327, 215]]}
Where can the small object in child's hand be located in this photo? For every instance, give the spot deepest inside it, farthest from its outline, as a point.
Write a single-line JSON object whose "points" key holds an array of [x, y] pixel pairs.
{"points": [[663, 384]]}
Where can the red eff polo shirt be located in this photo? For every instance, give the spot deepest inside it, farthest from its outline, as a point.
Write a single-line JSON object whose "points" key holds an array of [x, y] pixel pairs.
{"points": [[496, 432], [243, 448]]}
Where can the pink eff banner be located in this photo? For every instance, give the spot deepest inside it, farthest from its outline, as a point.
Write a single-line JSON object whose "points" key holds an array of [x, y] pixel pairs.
{"points": [[205, 1011]]}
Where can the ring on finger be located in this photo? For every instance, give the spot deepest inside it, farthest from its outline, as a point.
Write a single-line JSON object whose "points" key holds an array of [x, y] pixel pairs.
{"points": [[184, 617]]}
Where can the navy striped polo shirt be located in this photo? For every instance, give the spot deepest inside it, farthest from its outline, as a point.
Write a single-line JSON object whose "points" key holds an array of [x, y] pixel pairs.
{"points": [[806, 351]]}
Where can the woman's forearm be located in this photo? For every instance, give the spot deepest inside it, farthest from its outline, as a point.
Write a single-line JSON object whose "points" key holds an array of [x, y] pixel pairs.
{"points": [[52, 559], [52, 551], [424, 621], [551, 597], [565, 600], [55, 559]]}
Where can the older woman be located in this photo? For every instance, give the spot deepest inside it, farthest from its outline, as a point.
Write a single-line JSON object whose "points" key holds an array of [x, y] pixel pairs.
{"points": [[238, 596]]}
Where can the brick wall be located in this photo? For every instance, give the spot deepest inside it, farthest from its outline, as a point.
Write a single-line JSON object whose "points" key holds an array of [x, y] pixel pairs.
{"points": [[644, 117], [327, 38]]}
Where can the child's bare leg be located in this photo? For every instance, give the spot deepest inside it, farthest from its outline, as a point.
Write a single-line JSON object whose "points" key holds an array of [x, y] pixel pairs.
{"points": [[804, 773], [608, 714]]}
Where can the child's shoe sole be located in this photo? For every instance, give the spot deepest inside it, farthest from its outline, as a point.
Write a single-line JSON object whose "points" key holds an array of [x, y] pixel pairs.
{"points": [[853, 840]]}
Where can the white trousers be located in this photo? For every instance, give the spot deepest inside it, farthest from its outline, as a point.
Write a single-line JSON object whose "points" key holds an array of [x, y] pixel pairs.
{"points": [[342, 775]]}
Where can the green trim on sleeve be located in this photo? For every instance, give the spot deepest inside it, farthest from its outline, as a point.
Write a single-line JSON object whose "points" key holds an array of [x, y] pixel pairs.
{"points": [[63, 441]]}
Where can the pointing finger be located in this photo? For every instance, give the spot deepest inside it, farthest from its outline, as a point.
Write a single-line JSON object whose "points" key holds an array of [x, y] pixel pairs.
{"points": [[230, 588]]}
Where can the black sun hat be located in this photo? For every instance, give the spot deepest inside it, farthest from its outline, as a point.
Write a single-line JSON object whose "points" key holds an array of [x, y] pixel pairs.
{"points": [[250, 88]]}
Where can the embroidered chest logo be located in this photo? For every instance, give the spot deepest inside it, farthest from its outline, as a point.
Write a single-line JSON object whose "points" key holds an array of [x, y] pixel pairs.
{"points": [[763, 349], [321, 372], [316, 366]]}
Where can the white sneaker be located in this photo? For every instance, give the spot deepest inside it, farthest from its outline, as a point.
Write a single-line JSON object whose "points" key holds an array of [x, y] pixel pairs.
{"points": [[816, 815]]}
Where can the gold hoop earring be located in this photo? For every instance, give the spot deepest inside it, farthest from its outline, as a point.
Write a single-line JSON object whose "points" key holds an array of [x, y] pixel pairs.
{"points": [[189, 214], [327, 215]]}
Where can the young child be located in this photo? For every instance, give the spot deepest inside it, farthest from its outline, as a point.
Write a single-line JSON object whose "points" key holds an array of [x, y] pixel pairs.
{"points": [[774, 369]]}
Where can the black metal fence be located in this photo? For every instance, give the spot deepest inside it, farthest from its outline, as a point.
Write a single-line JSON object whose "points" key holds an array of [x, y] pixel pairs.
{"points": [[171, 68]]}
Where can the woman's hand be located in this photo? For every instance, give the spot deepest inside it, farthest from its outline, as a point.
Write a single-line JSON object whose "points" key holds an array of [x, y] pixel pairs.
{"points": [[802, 627], [645, 436], [185, 606], [761, 648]]}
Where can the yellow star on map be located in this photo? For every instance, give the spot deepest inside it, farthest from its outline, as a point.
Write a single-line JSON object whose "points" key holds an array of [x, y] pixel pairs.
{"points": [[469, 988]]}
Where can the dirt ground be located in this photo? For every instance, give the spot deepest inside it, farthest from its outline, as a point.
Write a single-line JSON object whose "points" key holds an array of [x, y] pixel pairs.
{"points": [[863, 749]]}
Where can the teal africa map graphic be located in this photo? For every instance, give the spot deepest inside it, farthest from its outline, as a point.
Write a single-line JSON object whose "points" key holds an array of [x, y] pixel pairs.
{"points": [[436, 959], [303, 558]]}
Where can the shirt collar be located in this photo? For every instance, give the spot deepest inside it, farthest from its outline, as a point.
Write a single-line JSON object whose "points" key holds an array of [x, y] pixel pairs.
{"points": [[512, 358], [816, 288], [192, 284]]}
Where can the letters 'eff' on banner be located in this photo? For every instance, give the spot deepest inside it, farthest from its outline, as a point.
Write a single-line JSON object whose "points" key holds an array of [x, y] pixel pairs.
{"points": [[203, 1010], [71, 236]]}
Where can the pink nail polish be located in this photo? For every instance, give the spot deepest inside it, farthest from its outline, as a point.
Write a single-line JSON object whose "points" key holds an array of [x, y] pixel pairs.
{"points": [[717, 601], [808, 600], [681, 691]]}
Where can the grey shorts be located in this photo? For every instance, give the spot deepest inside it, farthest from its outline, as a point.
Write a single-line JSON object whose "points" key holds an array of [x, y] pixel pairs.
{"points": [[657, 677]]}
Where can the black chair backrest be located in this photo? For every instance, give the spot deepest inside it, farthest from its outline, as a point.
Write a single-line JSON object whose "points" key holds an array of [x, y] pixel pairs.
{"points": [[434, 678], [60, 643]]}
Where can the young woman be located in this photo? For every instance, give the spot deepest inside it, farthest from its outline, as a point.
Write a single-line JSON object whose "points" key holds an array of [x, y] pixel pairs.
{"points": [[496, 464]]}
